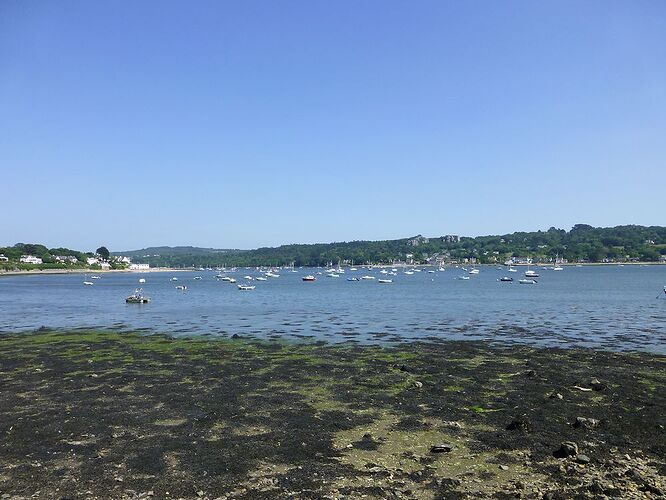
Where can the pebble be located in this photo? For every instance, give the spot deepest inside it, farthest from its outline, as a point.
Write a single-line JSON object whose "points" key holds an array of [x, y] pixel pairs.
{"points": [[504, 467], [586, 423], [597, 385], [582, 459]]}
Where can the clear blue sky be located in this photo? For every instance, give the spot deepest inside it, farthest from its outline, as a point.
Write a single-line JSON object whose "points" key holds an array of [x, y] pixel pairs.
{"points": [[244, 124]]}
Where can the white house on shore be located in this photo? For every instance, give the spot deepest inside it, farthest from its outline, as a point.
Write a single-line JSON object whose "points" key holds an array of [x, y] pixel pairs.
{"points": [[92, 260], [139, 267], [3, 258], [30, 259]]}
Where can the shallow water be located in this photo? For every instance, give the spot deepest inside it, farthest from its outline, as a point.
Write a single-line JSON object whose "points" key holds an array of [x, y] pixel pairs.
{"points": [[608, 307]]}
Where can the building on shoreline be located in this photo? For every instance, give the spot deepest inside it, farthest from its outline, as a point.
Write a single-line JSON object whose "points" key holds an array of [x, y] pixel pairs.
{"points": [[139, 267], [30, 259]]}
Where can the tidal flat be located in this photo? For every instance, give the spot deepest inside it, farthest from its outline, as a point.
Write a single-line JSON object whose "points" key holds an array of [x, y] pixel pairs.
{"points": [[100, 414]]}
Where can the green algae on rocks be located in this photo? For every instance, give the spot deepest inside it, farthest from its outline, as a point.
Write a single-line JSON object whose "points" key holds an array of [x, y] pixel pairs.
{"points": [[112, 414]]}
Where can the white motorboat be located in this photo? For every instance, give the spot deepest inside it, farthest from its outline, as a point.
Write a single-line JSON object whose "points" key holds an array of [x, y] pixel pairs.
{"points": [[531, 274], [246, 287], [309, 277], [352, 279], [367, 277], [88, 283], [384, 281], [527, 282], [174, 279], [94, 277], [474, 271], [198, 278], [512, 270], [181, 287], [558, 268], [261, 278], [142, 280], [332, 275]]}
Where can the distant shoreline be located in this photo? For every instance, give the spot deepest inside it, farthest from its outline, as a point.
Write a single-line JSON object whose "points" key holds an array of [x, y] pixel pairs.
{"points": [[90, 271], [176, 270]]}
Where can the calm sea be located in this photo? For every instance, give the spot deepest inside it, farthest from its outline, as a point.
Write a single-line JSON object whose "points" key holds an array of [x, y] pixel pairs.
{"points": [[608, 307]]}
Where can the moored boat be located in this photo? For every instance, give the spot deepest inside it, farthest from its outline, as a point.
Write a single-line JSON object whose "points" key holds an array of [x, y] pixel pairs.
{"points": [[309, 277], [137, 297]]}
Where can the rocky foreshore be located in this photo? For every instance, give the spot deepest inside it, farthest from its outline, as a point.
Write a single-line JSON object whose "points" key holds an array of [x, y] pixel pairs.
{"points": [[119, 415]]}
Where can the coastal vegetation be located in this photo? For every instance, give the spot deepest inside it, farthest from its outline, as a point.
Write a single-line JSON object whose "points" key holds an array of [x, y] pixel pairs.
{"points": [[123, 415], [32, 256], [582, 243]]}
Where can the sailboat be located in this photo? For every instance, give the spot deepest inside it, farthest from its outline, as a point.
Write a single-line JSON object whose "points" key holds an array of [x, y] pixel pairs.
{"points": [[529, 273]]}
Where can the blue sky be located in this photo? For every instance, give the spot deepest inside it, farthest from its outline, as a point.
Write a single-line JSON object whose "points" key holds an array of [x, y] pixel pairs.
{"points": [[245, 124]]}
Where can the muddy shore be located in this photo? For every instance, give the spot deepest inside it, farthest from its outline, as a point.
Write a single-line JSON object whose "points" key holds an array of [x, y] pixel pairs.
{"points": [[88, 414]]}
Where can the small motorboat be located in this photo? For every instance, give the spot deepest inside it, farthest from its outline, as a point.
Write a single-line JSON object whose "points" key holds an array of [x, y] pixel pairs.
{"points": [[261, 278], [137, 297], [384, 281], [88, 283], [558, 268], [198, 278], [181, 287], [409, 272], [309, 277], [332, 275], [367, 277], [94, 277], [527, 282], [174, 279], [272, 275], [142, 280], [531, 274], [512, 270], [463, 277], [352, 279], [246, 287], [474, 271], [248, 277], [506, 279]]}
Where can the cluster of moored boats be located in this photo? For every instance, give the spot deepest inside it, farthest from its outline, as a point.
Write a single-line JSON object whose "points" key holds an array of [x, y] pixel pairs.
{"points": [[139, 298]]}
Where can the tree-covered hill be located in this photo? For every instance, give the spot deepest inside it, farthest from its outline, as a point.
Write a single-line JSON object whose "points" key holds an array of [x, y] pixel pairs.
{"points": [[583, 243]]}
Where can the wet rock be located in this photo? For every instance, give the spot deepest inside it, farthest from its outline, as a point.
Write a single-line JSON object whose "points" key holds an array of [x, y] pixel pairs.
{"points": [[235, 336], [417, 385], [406, 369], [566, 449], [597, 385], [441, 448], [586, 423], [582, 459], [521, 424], [555, 395], [504, 467], [530, 373], [448, 482]]}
